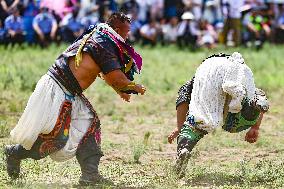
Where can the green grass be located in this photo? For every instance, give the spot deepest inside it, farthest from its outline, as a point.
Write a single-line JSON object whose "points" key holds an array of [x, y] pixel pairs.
{"points": [[134, 134]]}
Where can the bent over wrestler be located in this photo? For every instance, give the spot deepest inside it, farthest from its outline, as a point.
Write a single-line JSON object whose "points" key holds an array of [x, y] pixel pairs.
{"points": [[222, 93]]}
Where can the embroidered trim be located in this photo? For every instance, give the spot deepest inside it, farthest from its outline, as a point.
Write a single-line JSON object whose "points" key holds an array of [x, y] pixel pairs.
{"points": [[63, 121]]}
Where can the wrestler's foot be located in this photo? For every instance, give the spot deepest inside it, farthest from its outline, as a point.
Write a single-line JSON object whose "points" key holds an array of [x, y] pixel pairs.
{"points": [[181, 162], [12, 162], [94, 180]]}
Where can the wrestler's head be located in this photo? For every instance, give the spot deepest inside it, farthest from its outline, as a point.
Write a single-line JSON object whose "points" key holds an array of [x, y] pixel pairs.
{"points": [[260, 101], [120, 23], [252, 108]]}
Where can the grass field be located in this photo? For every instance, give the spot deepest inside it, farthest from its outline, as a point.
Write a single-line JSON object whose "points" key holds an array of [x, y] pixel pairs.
{"points": [[137, 154]]}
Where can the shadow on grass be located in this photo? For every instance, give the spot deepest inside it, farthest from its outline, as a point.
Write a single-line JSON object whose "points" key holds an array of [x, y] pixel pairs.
{"points": [[221, 179], [23, 184], [108, 186], [216, 179]]}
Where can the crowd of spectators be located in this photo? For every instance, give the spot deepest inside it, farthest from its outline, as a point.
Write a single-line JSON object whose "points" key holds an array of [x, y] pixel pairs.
{"points": [[186, 23]]}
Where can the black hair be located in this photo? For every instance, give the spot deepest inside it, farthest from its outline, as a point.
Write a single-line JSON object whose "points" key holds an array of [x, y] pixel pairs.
{"points": [[116, 18]]}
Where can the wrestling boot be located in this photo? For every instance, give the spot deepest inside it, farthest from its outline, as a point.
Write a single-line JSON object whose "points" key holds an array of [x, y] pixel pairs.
{"points": [[90, 174], [187, 139], [89, 169], [88, 156], [183, 157], [13, 162]]}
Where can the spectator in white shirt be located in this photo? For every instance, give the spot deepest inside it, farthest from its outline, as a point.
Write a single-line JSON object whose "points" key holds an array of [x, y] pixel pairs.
{"points": [[149, 33], [188, 31], [208, 35], [156, 9], [170, 31]]}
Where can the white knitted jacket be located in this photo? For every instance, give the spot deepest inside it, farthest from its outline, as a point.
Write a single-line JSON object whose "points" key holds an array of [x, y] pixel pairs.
{"points": [[216, 78]]}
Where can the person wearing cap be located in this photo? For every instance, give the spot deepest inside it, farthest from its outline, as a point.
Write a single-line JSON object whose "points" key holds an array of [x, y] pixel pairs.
{"points": [[221, 94], [59, 121], [14, 26], [188, 32]]}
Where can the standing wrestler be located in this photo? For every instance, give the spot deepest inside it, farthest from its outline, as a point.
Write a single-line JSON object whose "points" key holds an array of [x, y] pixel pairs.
{"points": [[222, 93], [59, 120]]}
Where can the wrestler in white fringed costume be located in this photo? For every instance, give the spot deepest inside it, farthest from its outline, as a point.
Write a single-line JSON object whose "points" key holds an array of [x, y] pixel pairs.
{"points": [[222, 93]]}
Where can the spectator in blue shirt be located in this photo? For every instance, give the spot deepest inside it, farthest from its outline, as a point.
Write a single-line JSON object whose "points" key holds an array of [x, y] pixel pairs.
{"points": [[71, 27], [3, 37], [15, 27], [134, 35], [31, 9], [45, 27]]}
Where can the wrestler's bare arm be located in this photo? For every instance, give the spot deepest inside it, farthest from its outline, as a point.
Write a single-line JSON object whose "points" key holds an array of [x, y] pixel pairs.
{"points": [[118, 80], [124, 96], [182, 109], [252, 134]]}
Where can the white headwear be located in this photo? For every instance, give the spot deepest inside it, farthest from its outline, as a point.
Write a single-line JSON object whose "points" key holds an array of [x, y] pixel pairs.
{"points": [[187, 16]]}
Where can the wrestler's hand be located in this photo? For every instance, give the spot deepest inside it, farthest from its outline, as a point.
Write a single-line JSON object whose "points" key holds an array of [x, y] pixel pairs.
{"points": [[124, 96], [252, 135], [140, 89], [173, 135]]}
